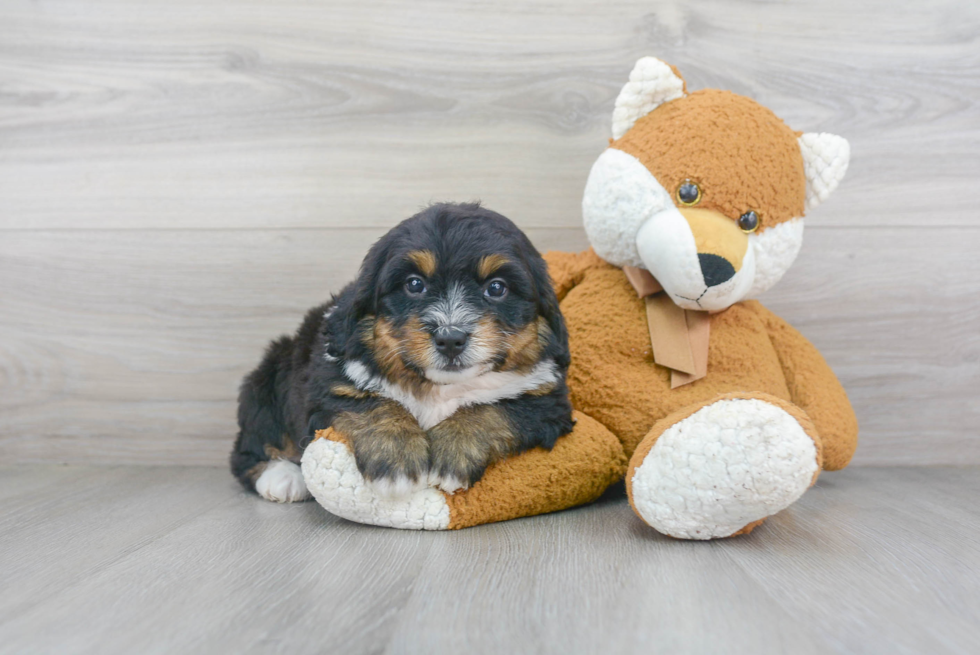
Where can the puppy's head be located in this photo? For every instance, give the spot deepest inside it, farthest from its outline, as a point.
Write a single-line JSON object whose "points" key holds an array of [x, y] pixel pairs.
{"points": [[452, 293]]}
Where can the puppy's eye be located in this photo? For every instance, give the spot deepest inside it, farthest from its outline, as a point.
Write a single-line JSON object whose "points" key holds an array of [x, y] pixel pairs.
{"points": [[688, 193], [749, 221], [415, 286], [496, 290]]}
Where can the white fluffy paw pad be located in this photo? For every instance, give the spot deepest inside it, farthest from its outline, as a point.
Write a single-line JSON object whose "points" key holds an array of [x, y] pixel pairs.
{"points": [[332, 477], [282, 482], [725, 466]]}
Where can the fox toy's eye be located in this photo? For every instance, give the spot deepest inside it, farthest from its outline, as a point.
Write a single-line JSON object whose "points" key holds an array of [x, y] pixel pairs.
{"points": [[749, 221], [415, 286], [496, 290], [688, 193]]}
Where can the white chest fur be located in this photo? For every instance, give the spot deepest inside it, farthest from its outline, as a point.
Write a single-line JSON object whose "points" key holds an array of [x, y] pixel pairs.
{"points": [[444, 399]]}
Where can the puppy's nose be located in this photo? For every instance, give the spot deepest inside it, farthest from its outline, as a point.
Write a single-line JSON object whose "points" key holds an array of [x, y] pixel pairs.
{"points": [[715, 269], [450, 341]]}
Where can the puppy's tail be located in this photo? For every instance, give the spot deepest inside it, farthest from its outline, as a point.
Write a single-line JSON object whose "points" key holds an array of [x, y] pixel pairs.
{"points": [[261, 416]]}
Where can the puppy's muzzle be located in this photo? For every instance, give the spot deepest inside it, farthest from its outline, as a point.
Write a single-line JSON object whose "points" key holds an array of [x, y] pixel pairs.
{"points": [[450, 342]]}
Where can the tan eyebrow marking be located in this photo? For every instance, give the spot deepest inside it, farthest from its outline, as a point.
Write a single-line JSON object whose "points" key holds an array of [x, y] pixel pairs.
{"points": [[490, 264], [425, 260]]}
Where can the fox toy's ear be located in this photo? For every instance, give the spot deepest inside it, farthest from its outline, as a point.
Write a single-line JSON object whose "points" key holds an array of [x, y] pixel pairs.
{"points": [[652, 83], [825, 159]]}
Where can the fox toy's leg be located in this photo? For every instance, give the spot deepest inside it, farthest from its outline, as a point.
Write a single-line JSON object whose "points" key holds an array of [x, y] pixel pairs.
{"points": [[577, 470], [718, 469]]}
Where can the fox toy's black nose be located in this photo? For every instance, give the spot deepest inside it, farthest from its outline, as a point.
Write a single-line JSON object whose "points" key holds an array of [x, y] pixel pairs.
{"points": [[450, 342], [715, 269]]}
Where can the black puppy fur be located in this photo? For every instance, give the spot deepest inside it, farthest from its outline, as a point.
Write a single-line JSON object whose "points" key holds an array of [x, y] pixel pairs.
{"points": [[449, 289]]}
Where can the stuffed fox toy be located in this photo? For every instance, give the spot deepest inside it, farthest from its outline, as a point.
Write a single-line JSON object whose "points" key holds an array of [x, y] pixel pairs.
{"points": [[718, 413]]}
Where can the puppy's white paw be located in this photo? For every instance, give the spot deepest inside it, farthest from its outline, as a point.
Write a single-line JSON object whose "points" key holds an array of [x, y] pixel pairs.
{"points": [[282, 482], [450, 484], [396, 487]]}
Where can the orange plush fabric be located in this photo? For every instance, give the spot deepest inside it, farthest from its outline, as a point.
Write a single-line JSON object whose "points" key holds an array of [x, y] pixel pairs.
{"points": [[740, 153], [577, 470], [581, 466], [813, 386], [613, 377]]}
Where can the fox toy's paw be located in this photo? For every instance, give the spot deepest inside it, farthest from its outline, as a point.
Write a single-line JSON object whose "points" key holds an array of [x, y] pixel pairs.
{"points": [[333, 478], [577, 470], [720, 469]]}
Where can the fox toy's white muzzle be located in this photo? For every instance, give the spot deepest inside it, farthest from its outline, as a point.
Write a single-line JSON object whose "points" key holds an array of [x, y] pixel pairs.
{"points": [[631, 220], [668, 248]]}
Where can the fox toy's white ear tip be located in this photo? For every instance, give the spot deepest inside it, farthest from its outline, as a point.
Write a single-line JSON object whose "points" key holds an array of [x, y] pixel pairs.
{"points": [[825, 160], [652, 83]]}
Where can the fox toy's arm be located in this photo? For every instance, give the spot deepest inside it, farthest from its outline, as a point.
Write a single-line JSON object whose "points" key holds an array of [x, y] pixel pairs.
{"points": [[568, 268], [814, 387]]}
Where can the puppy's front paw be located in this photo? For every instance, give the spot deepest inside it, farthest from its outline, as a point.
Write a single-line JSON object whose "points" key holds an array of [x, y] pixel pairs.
{"points": [[465, 444], [282, 482], [390, 449], [454, 468], [450, 484], [394, 468], [398, 486]]}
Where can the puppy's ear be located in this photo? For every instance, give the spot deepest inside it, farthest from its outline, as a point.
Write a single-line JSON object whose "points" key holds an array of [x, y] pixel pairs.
{"points": [[340, 326], [548, 308], [359, 300]]}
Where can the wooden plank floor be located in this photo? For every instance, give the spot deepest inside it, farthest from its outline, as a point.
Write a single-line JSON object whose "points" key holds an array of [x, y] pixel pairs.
{"points": [[179, 559]]}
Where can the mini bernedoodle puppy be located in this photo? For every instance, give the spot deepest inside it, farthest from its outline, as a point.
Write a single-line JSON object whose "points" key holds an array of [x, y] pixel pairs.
{"points": [[447, 353]]}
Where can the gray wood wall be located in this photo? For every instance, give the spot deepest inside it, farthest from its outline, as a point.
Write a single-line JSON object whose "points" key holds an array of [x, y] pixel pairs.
{"points": [[180, 180]]}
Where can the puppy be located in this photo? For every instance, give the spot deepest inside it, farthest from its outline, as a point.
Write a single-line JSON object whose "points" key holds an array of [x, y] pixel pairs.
{"points": [[447, 353]]}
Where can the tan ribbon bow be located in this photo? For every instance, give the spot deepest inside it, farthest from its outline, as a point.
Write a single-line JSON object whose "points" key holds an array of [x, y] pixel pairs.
{"points": [[679, 337]]}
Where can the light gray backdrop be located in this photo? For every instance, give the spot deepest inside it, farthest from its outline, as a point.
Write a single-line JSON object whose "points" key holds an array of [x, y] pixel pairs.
{"points": [[181, 180]]}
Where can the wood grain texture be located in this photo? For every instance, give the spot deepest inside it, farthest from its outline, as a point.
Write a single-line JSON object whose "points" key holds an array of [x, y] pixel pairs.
{"points": [[171, 559], [921, 519], [180, 180], [99, 516], [299, 113]]}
